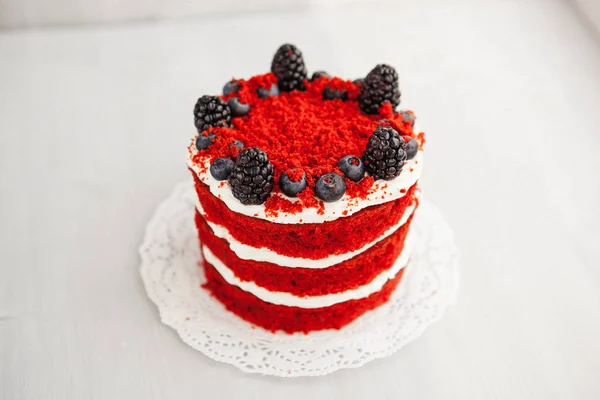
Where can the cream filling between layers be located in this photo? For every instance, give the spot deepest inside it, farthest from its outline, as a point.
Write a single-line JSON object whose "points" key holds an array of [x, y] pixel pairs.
{"points": [[264, 254], [381, 192], [290, 300]]}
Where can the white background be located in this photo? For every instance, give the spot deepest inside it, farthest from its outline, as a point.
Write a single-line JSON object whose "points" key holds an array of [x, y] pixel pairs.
{"points": [[93, 128], [33, 13]]}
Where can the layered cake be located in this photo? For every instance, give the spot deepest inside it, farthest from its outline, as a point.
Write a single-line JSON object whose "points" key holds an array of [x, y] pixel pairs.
{"points": [[306, 191]]}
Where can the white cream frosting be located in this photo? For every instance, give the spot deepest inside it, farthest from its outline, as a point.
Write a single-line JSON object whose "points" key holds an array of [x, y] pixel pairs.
{"points": [[290, 300], [381, 192], [264, 254]]}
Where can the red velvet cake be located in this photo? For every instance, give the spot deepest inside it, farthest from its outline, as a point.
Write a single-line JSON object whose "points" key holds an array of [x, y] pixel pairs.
{"points": [[306, 190]]}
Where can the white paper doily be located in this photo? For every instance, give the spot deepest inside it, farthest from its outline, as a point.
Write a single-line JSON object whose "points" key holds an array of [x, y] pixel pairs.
{"points": [[170, 254]]}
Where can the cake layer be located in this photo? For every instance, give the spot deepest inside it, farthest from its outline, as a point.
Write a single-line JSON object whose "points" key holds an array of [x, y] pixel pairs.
{"points": [[292, 319], [314, 241], [349, 275], [380, 192], [291, 300], [263, 254]]}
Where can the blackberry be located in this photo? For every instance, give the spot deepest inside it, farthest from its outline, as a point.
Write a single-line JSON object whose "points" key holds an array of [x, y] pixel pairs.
{"points": [[252, 177], [385, 154], [380, 85], [211, 111], [288, 67]]}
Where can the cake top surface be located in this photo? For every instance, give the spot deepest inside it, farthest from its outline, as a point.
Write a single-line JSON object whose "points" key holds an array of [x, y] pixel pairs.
{"points": [[305, 133]]}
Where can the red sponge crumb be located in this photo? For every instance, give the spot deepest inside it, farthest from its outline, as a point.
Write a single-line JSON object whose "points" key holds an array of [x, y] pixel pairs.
{"points": [[313, 241], [299, 130], [295, 174], [347, 275], [292, 319]]}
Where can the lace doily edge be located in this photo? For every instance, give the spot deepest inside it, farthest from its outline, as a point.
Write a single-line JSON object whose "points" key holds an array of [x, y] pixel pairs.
{"points": [[179, 326]]}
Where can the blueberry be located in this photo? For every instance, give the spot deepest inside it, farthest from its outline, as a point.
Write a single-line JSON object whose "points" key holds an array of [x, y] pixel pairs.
{"points": [[412, 147], [289, 187], [408, 117], [332, 94], [202, 142], [262, 92], [238, 109], [319, 74], [352, 167], [239, 144], [330, 187], [274, 90], [231, 87], [221, 168]]}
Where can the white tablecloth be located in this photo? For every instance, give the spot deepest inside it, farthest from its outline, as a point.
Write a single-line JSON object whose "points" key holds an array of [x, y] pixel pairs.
{"points": [[93, 128]]}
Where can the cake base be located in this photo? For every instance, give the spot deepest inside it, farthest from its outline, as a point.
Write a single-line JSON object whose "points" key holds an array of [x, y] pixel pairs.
{"points": [[173, 278]]}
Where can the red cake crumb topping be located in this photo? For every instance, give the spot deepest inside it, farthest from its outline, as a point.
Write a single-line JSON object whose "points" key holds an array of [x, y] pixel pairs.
{"points": [[360, 189], [295, 174], [421, 139], [302, 133], [275, 204]]}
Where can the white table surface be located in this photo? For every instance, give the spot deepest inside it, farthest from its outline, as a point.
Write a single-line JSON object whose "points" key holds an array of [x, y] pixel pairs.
{"points": [[93, 126]]}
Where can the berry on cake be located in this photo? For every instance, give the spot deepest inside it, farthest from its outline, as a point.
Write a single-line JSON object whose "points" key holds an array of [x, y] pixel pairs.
{"points": [[306, 191]]}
